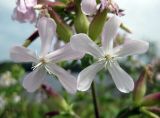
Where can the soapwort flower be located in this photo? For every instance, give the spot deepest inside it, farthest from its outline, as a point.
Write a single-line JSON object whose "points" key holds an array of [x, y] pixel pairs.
{"points": [[107, 56], [46, 60], [24, 11], [90, 7]]}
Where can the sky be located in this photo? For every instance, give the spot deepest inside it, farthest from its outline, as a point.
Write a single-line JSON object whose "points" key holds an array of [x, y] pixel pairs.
{"points": [[142, 17]]}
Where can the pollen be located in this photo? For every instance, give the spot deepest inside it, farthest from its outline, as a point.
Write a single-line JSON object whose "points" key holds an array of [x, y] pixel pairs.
{"points": [[43, 61], [108, 57]]}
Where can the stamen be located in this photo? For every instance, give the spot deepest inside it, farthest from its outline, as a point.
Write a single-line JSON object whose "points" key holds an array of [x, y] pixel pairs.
{"points": [[101, 59], [108, 60], [105, 66], [36, 66], [48, 70]]}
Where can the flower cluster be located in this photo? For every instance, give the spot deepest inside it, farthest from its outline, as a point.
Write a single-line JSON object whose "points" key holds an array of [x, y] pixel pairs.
{"points": [[106, 55]]}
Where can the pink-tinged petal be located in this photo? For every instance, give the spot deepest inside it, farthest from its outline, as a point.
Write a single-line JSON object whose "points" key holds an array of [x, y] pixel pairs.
{"points": [[131, 47], [123, 81], [89, 7], [67, 80], [151, 99], [47, 30], [104, 4], [29, 16], [87, 75], [34, 79], [21, 6], [109, 32], [16, 15], [31, 3], [81, 42], [64, 53], [22, 54]]}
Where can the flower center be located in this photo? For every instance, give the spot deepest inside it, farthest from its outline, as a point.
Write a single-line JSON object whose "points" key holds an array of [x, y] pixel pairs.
{"points": [[107, 58], [42, 62]]}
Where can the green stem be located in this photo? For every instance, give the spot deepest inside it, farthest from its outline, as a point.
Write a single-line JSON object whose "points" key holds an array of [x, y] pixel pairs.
{"points": [[95, 102], [150, 114]]}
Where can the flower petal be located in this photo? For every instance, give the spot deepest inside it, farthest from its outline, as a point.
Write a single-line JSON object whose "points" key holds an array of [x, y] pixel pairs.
{"points": [[104, 4], [109, 32], [81, 42], [34, 79], [31, 3], [131, 47], [64, 53], [89, 7], [47, 29], [67, 80], [29, 16], [21, 6], [87, 75], [122, 80], [22, 54]]}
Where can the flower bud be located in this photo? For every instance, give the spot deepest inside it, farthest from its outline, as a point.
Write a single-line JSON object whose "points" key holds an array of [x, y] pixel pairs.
{"points": [[81, 22], [140, 86], [152, 99], [96, 26], [56, 98], [154, 109], [63, 30], [140, 89]]}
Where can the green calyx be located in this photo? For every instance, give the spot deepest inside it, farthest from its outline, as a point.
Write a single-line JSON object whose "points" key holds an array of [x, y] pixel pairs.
{"points": [[96, 26], [81, 22]]}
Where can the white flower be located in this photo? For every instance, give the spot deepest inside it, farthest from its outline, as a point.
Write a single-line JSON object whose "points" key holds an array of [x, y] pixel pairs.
{"points": [[107, 56], [90, 7], [46, 61], [7, 80], [16, 98]]}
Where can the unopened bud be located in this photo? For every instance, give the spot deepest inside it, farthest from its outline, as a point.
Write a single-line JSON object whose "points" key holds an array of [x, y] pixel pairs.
{"points": [[81, 22], [96, 26], [154, 109], [56, 98], [152, 99], [140, 86], [140, 89], [63, 30]]}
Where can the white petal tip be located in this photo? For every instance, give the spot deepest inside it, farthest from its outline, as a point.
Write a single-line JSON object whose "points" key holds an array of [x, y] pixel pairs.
{"points": [[28, 89], [82, 87], [127, 89], [89, 7]]}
